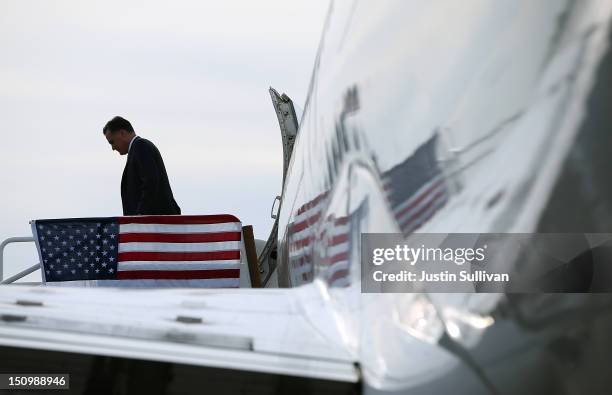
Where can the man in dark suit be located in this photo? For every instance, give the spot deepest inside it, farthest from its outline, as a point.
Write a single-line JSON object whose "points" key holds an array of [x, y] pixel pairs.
{"points": [[145, 189]]}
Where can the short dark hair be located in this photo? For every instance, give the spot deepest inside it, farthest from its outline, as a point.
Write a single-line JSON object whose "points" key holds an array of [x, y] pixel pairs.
{"points": [[117, 123]]}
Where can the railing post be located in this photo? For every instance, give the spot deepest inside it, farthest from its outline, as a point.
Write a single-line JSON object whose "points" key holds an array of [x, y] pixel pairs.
{"points": [[251, 255], [8, 241]]}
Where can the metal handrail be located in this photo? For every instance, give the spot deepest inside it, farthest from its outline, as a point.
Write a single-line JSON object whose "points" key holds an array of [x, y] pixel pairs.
{"points": [[4, 244], [21, 274]]}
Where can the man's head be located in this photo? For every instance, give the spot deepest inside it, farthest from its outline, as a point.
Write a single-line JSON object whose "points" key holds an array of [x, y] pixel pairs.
{"points": [[119, 132]]}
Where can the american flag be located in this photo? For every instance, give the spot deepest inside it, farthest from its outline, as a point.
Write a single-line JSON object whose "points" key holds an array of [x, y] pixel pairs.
{"points": [[336, 261], [416, 188], [301, 237], [333, 236], [166, 251], [340, 240]]}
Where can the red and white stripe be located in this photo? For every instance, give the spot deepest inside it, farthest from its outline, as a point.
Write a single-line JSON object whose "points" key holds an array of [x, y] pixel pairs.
{"points": [[301, 237], [420, 207], [338, 252], [202, 250], [332, 240]]}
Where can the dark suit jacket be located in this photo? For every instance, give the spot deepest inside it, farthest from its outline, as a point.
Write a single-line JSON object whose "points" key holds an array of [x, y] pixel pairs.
{"points": [[145, 189]]}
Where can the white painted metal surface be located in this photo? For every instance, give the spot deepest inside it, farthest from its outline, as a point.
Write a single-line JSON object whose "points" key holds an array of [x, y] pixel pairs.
{"points": [[256, 330]]}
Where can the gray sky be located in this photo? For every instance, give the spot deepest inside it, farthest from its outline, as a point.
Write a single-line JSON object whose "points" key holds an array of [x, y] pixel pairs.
{"points": [[191, 76]]}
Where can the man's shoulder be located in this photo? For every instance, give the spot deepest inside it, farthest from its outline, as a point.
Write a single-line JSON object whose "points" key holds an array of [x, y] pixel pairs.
{"points": [[142, 144]]}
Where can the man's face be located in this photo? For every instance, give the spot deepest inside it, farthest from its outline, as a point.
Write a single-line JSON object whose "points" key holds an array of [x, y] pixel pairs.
{"points": [[119, 141]]}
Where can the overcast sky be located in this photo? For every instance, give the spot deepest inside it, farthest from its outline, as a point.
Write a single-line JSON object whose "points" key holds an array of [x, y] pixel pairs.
{"points": [[191, 76]]}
